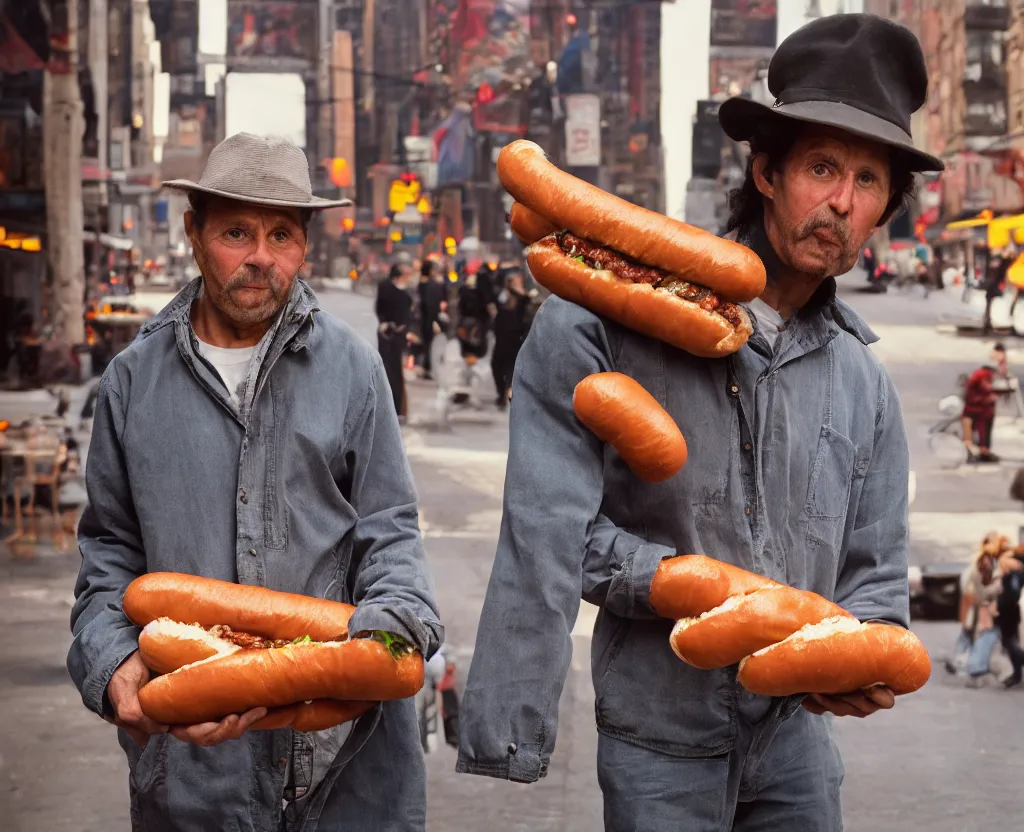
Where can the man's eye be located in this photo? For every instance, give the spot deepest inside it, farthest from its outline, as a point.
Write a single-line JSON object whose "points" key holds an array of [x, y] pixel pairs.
{"points": [[281, 236], [820, 169], [235, 234], [867, 179]]}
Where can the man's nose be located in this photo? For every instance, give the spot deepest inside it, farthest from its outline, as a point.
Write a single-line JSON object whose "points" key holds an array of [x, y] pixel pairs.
{"points": [[841, 200], [260, 255]]}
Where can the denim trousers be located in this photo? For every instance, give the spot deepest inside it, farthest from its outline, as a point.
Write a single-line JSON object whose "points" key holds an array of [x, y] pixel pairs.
{"points": [[979, 652], [792, 784]]}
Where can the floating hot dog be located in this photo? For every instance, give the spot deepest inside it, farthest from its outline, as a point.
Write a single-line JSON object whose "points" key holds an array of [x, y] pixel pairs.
{"points": [[620, 412], [650, 273]]}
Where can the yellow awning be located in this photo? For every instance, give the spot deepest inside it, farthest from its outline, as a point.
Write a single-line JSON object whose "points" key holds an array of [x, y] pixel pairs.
{"points": [[1004, 230], [972, 223]]}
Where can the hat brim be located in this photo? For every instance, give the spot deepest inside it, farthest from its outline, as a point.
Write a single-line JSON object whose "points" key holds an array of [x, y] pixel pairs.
{"points": [[739, 118], [316, 203]]}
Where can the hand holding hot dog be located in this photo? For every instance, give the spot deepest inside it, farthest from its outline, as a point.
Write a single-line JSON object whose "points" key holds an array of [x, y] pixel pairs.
{"points": [[123, 693], [860, 704]]}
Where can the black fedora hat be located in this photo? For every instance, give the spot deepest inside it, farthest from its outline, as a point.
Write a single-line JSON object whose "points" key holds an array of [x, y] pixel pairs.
{"points": [[857, 72]]}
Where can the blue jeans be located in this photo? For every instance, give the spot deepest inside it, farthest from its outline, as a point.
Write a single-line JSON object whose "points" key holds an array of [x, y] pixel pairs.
{"points": [[979, 652], [791, 784]]}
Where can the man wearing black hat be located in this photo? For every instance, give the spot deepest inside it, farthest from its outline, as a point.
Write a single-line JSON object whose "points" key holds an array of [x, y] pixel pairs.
{"points": [[798, 470]]}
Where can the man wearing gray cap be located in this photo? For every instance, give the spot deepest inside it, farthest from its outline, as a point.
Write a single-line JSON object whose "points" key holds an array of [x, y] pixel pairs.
{"points": [[247, 436]]}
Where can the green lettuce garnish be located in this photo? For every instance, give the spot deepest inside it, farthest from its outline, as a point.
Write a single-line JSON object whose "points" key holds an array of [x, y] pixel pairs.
{"points": [[396, 645], [302, 640]]}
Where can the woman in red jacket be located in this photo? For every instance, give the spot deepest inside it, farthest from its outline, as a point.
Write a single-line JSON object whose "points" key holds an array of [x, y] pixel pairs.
{"points": [[979, 412]]}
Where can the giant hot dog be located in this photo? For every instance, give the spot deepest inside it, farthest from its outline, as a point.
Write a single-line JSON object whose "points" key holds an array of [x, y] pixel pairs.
{"points": [[620, 412], [746, 623], [167, 645], [254, 647], [650, 273], [787, 641], [836, 656]]}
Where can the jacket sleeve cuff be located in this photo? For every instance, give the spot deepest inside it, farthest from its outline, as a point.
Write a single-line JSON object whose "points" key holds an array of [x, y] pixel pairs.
{"points": [[643, 564], [424, 636], [94, 691], [524, 764]]}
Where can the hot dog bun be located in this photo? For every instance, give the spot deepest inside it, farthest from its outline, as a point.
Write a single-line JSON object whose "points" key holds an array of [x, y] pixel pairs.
{"points": [[689, 585], [733, 271], [318, 715], [165, 645], [528, 226], [251, 609], [620, 412], [362, 669], [747, 623], [638, 306], [838, 655]]}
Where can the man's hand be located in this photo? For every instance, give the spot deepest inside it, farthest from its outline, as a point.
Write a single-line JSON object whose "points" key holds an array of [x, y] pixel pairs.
{"points": [[214, 733], [860, 704], [123, 693]]}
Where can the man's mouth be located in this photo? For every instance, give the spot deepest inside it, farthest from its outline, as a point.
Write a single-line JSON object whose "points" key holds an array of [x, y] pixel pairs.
{"points": [[827, 237]]}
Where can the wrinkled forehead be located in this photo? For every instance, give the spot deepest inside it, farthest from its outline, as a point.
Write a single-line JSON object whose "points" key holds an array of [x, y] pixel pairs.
{"points": [[835, 142], [220, 209]]}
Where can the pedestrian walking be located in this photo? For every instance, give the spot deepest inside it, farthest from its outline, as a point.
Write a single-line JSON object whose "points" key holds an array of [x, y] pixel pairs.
{"points": [[979, 413], [979, 588], [511, 324], [811, 491], [432, 302], [394, 312], [247, 436]]}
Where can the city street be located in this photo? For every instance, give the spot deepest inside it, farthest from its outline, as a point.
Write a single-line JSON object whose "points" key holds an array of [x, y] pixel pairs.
{"points": [[946, 759]]}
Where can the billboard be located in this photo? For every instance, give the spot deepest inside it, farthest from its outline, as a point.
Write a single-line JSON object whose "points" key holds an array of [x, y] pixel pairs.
{"points": [[582, 131], [735, 75], [484, 46], [264, 35], [245, 102], [743, 23]]}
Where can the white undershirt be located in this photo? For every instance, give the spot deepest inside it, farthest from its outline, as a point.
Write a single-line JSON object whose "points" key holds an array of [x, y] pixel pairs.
{"points": [[769, 322], [231, 364]]}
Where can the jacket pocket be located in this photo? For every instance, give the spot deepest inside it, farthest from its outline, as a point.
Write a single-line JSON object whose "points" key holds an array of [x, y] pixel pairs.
{"points": [[647, 696], [828, 492], [145, 764]]}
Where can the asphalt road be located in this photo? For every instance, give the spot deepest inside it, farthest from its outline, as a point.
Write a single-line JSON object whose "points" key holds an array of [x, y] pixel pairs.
{"points": [[946, 759]]}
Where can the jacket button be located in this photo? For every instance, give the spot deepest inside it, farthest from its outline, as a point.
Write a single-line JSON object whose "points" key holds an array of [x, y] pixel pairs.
{"points": [[243, 497], [747, 511], [512, 748], [734, 389], [252, 552], [282, 762], [747, 447]]}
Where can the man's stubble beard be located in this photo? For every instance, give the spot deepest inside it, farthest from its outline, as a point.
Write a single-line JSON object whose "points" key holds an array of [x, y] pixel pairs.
{"points": [[244, 315]]}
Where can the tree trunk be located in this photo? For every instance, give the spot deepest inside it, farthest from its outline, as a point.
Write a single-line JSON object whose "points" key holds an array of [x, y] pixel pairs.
{"points": [[63, 126]]}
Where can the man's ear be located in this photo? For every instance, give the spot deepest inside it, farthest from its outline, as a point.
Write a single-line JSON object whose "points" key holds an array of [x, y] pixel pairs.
{"points": [[190, 227], [762, 179]]}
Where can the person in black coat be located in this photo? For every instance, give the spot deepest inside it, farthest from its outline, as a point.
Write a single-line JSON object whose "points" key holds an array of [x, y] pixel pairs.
{"points": [[394, 310], [432, 298], [511, 324]]}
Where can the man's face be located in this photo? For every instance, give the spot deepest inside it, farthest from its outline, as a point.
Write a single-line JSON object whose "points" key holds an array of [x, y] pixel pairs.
{"points": [[999, 360], [823, 205], [249, 256]]}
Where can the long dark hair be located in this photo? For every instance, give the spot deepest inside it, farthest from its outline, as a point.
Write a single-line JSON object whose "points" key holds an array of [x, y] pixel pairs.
{"points": [[776, 138]]}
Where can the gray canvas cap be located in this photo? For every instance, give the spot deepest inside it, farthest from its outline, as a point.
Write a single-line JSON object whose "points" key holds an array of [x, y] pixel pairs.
{"points": [[250, 168]]}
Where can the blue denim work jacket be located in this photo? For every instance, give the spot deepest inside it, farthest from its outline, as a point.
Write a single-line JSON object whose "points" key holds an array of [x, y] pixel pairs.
{"points": [[305, 489], [797, 470]]}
